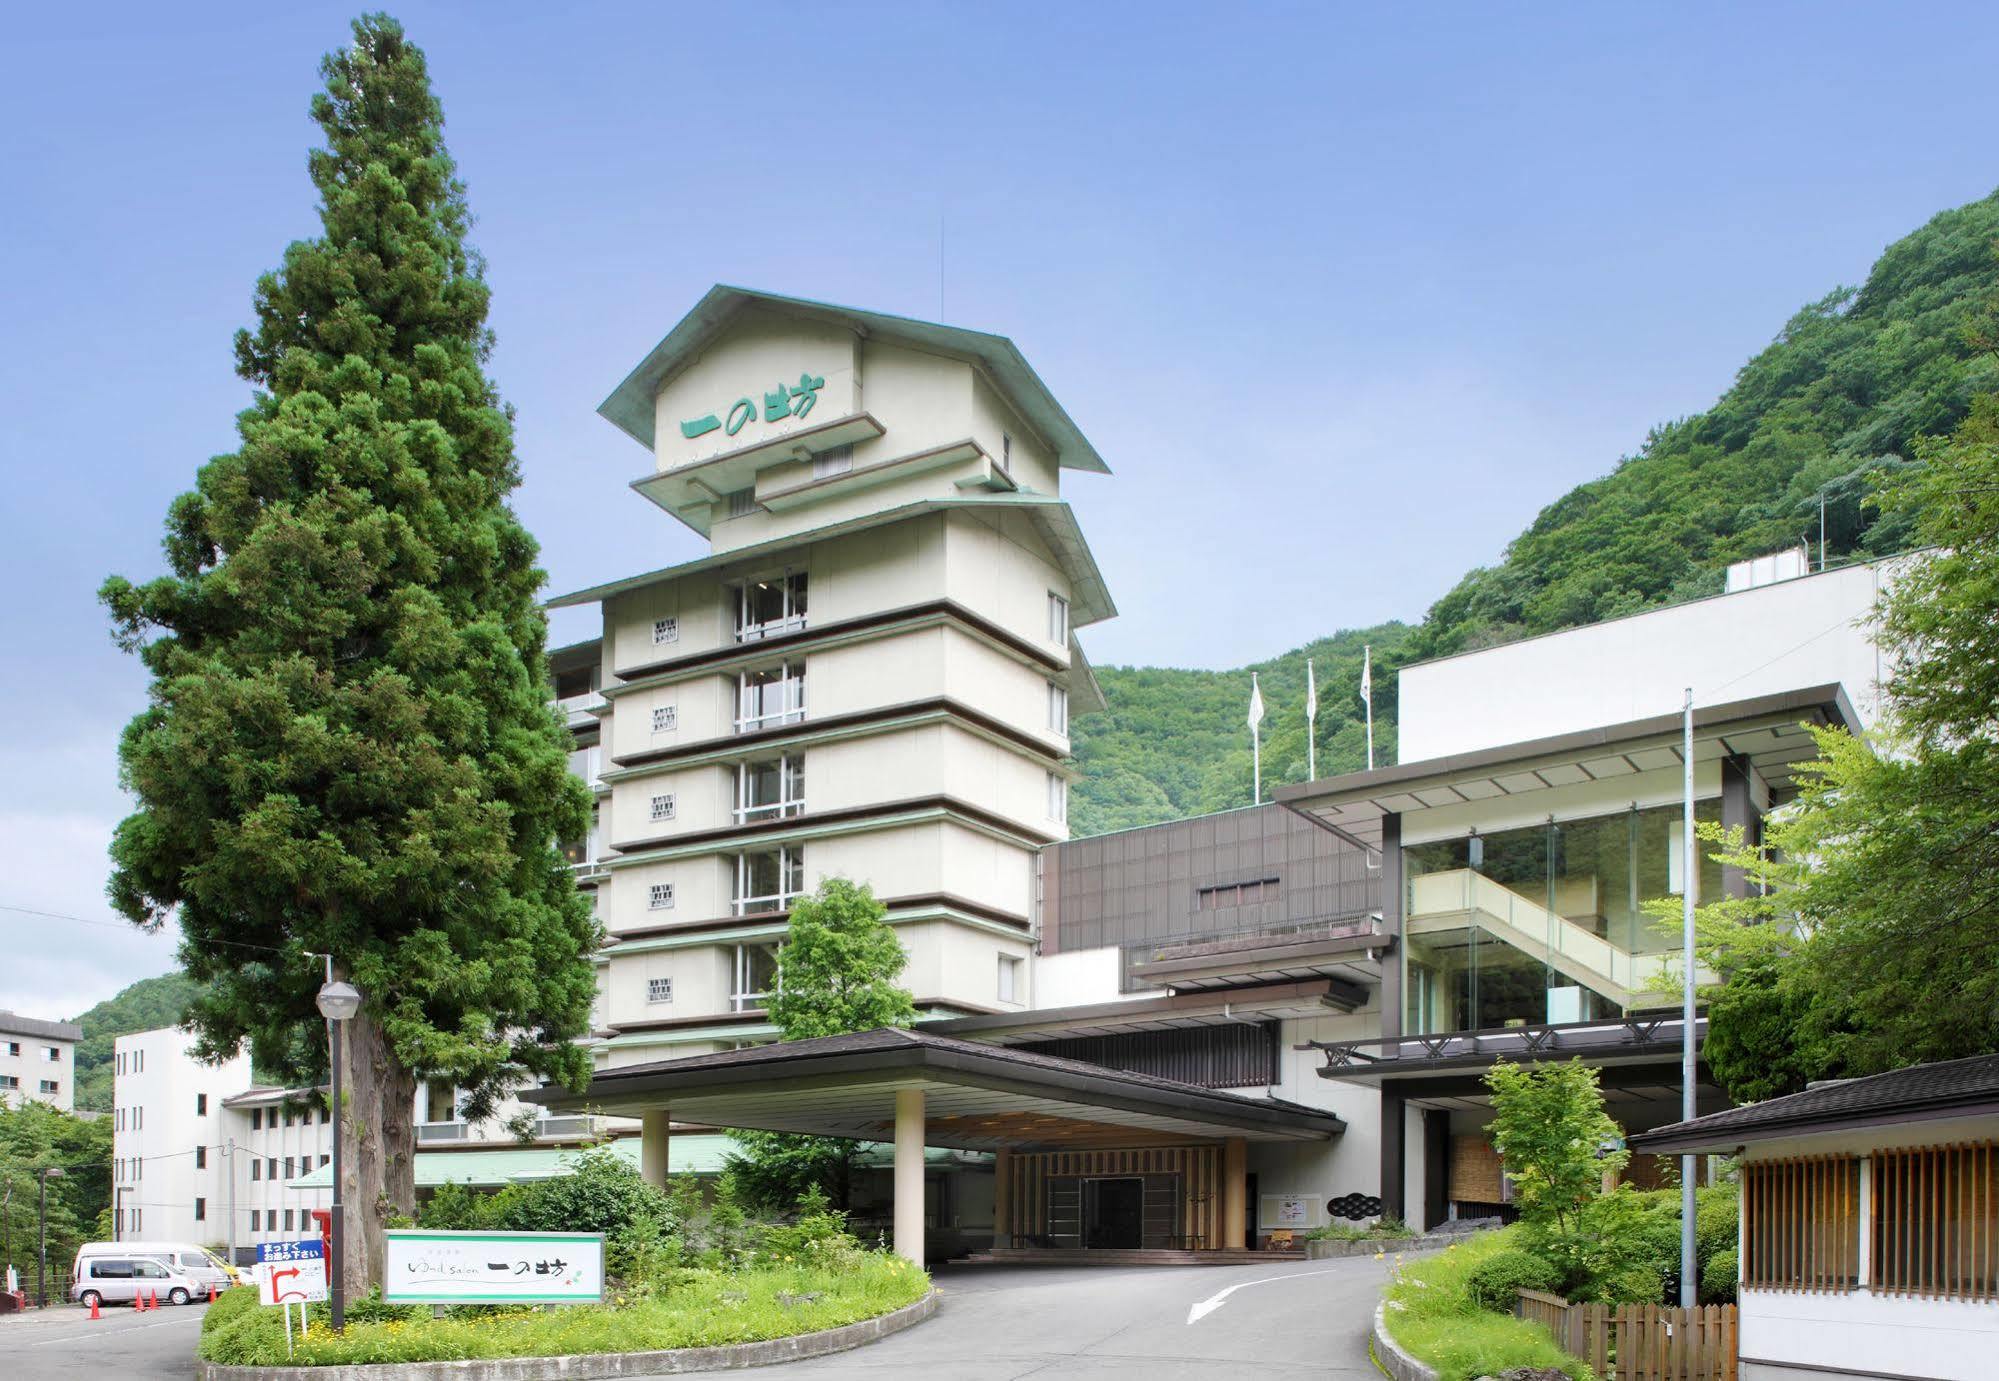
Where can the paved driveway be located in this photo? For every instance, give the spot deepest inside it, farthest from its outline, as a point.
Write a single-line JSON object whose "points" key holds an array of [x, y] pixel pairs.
{"points": [[61, 1341], [1286, 1318], [997, 1323]]}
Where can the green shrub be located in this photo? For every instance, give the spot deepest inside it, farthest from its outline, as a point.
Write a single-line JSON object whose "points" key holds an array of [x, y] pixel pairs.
{"points": [[603, 1193], [1430, 1313], [1718, 1278], [1493, 1284], [1617, 1249], [817, 1237], [454, 1208], [1388, 1225]]}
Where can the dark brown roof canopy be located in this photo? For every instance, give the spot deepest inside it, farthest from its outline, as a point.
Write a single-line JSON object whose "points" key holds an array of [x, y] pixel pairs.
{"points": [[977, 1096], [1921, 1093]]}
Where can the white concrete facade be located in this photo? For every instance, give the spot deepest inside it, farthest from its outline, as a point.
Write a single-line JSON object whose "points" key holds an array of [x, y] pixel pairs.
{"points": [[201, 1153], [870, 678], [38, 1061], [1807, 631]]}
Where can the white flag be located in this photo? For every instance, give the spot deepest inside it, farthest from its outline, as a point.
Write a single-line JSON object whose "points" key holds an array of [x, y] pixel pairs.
{"points": [[1367, 677], [1255, 702], [1311, 694]]}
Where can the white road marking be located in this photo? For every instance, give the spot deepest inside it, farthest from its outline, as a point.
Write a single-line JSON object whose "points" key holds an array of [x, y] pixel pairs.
{"points": [[98, 1334], [1197, 1312]]}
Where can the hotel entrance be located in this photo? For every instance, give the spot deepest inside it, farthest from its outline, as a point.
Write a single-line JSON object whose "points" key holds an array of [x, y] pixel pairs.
{"points": [[1114, 1213]]}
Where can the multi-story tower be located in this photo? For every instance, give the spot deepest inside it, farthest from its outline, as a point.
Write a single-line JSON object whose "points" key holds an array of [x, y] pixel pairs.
{"points": [[170, 1138], [870, 676]]}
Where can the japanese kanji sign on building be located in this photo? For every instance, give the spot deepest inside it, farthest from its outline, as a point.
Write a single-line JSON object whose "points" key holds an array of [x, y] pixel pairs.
{"points": [[493, 1267], [786, 400]]}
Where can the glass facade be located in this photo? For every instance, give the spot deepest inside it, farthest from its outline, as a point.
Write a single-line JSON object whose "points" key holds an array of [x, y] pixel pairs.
{"points": [[1544, 923]]}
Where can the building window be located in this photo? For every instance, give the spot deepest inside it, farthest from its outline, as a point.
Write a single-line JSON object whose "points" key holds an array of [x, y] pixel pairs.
{"points": [[770, 789], [775, 695], [324, 1158], [659, 897], [659, 990], [256, 1169], [665, 631], [1058, 618], [52, 1053], [138, 1215], [1803, 1223], [288, 1219], [835, 460], [325, 1116], [14, 1081], [1935, 1222], [14, 1048], [270, 1167], [1006, 450], [662, 807], [1058, 709], [768, 879], [139, 1118], [290, 1114], [291, 1167], [201, 1157], [742, 502], [256, 1119], [138, 1062], [1058, 798], [1237, 894], [755, 977], [665, 718], [765, 608], [201, 1210], [1009, 978], [201, 1105]]}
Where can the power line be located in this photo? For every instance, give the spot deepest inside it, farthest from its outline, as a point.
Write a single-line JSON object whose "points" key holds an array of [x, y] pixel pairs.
{"points": [[128, 927]]}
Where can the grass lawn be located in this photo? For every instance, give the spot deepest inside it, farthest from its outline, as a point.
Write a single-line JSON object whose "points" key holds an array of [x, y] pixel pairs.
{"points": [[1431, 1316], [707, 1309]]}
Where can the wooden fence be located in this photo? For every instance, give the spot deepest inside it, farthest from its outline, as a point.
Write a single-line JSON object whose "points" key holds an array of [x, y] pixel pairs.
{"points": [[1640, 1342]]}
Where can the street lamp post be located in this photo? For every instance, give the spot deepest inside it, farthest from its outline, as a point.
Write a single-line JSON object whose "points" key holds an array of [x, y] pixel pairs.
{"points": [[337, 1002], [53, 1172]]}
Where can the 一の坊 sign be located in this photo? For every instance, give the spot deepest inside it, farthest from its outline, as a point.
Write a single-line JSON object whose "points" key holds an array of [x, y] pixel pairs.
{"points": [[425, 1267]]}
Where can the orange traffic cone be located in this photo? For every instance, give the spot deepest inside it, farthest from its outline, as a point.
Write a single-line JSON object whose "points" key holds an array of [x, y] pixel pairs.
{"points": [[93, 1307], [152, 1300], [138, 1301], [211, 1292]]}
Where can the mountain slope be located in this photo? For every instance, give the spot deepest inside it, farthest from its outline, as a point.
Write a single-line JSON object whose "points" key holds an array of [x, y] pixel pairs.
{"points": [[144, 1006], [1826, 411]]}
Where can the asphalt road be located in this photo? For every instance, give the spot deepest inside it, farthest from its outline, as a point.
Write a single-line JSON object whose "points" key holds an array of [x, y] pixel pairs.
{"points": [[997, 1323], [61, 1341]]}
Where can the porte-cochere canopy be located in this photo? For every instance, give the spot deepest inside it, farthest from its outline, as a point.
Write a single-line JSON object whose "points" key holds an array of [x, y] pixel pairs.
{"points": [[976, 1097]]}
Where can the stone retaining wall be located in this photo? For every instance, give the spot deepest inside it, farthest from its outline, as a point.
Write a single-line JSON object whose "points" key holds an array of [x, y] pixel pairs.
{"points": [[1325, 1248], [587, 1366]]}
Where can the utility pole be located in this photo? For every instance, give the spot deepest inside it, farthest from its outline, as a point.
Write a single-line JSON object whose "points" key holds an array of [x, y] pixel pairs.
{"points": [[229, 1158], [1689, 1272]]}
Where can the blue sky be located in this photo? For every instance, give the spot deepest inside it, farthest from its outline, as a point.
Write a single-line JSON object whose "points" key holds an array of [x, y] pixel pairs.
{"points": [[1344, 294]]}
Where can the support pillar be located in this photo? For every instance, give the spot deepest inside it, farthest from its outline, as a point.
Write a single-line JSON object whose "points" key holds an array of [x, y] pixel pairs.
{"points": [[909, 1175], [1003, 1197], [653, 1137], [1235, 1192], [1394, 1173]]}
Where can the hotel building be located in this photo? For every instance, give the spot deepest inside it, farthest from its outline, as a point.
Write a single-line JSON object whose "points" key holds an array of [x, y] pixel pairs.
{"points": [[1186, 1037], [38, 1061]]}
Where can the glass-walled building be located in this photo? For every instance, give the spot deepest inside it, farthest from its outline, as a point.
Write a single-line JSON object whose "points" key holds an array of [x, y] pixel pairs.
{"points": [[1545, 923]]}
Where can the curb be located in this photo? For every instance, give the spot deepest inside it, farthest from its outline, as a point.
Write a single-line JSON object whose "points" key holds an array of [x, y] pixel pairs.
{"points": [[584, 1366], [1390, 1357]]}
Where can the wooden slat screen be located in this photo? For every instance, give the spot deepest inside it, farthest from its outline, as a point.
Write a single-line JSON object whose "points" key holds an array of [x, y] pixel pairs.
{"points": [[1801, 1223], [1935, 1222]]}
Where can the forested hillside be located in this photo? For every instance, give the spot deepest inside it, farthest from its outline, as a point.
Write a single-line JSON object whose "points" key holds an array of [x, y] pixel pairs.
{"points": [[1833, 402], [144, 1006]]}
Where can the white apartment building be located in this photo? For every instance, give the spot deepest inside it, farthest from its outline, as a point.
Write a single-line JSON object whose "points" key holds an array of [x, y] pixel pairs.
{"points": [[38, 1060], [202, 1153], [870, 676]]}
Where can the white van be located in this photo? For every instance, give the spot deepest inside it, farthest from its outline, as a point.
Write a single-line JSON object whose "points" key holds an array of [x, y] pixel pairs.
{"points": [[122, 1279], [197, 1263]]}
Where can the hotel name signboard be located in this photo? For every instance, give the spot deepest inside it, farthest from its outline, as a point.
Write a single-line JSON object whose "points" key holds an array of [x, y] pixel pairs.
{"points": [[784, 401]]}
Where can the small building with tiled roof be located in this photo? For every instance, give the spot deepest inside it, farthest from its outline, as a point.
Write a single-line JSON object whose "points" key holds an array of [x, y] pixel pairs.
{"points": [[1870, 1223]]}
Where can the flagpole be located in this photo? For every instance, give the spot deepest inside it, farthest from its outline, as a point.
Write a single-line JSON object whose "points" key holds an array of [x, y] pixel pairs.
{"points": [[1311, 723], [1256, 737], [1367, 698]]}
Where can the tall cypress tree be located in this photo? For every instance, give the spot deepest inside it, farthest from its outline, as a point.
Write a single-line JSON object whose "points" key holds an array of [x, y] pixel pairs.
{"points": [[349, 745]]}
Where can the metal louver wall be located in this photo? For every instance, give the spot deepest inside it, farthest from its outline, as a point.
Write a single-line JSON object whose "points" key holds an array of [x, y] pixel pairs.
{"points": [[1235, 1055]]}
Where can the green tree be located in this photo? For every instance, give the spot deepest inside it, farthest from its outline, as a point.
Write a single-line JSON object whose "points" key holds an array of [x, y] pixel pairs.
{"points": [[837, 971], [836, 974], [34, 1137], [1549, 1126], [349, 746], [1867, 941]]}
